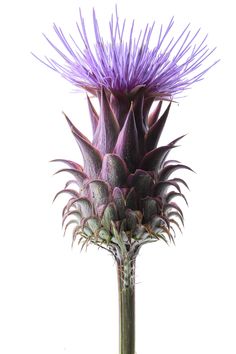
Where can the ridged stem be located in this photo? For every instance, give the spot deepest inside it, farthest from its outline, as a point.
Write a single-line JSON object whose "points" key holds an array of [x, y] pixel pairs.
{"points": [[126, 288]]}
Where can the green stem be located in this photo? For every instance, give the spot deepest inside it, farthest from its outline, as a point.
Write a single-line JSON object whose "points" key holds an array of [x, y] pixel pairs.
{"points": [[126, 288]]}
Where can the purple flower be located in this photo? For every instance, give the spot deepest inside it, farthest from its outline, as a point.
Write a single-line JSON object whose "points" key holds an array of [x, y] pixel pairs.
{"points": [[123, 65]]}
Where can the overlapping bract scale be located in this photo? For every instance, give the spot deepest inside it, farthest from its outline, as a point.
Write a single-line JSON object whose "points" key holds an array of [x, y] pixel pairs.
{"points": [[125, 186]]}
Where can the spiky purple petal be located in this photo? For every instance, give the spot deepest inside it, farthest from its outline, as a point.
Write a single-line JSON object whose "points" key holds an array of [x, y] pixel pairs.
{"points": [[125, 63]]}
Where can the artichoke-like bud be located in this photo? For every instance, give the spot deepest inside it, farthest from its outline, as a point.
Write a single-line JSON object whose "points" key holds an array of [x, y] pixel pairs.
{"points": [[124, 193]]}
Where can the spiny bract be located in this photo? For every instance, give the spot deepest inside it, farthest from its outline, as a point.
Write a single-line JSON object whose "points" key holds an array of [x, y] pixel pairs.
{"points": [[125, 187]]}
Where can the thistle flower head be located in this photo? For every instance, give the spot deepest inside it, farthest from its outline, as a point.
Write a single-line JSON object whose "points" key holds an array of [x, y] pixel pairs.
{"points": [[125, 63], [122, 195]]}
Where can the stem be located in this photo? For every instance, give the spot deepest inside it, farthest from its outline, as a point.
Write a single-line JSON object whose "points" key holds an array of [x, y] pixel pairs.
{"points": [[126, 288]]}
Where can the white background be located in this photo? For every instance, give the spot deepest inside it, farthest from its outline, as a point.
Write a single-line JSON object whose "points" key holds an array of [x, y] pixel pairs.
{"points": [[55, 299]]}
